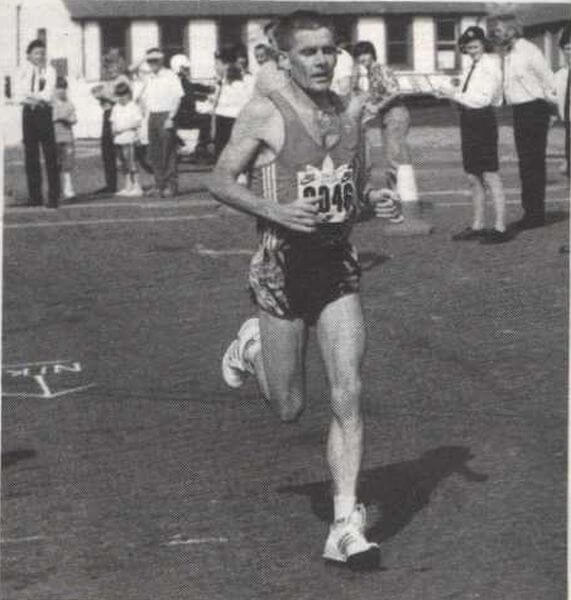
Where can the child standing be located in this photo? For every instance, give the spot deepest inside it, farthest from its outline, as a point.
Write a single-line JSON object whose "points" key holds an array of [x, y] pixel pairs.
{"points": [[64, 118], [126, 120]]}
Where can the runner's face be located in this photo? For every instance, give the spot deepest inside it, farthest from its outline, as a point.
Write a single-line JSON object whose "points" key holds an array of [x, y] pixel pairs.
{"points": [[312, 59], [474, 49]]}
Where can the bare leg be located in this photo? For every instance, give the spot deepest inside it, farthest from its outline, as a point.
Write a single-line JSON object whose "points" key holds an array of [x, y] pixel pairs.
{"points": [[494, 184], [478, 201], [279, 367], [341, 335]]}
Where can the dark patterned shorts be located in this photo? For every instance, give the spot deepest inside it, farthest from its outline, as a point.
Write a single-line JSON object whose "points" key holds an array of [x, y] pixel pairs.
{"points": [[298, 281]]}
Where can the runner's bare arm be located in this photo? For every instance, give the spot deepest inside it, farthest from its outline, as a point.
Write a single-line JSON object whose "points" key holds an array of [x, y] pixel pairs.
{"points": [[257, 127]]}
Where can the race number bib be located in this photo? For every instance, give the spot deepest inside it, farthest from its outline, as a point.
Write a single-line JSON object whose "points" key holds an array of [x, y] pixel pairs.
{"points": [[334, 188]]}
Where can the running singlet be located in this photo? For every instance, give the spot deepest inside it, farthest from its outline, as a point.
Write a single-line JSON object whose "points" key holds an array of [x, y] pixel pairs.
{"points": [[303, 169]]}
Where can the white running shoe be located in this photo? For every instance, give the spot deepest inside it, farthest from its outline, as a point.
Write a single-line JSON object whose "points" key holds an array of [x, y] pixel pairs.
{"points": [[134, 192], [124, 192], [235, 367], [347, 544]]}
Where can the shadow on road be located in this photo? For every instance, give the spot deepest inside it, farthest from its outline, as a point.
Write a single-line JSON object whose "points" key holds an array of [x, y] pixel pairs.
{"points": [[12, 457], [397, 491]]}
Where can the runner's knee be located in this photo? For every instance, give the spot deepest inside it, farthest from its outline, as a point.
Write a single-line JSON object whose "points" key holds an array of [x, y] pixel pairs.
{"points": [[345, 398], [290, 406]]}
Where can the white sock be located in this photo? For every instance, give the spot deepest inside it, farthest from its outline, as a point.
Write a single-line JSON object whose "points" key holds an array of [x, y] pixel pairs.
{"points": [[343, 506]]}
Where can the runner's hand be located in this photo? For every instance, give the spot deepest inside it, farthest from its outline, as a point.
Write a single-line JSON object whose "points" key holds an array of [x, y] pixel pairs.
{"points": [[300, 215], [385, 203]]}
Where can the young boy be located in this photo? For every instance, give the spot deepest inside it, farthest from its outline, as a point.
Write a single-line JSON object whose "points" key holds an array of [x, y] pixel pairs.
{"points": [[64, 118], [126, 120]]}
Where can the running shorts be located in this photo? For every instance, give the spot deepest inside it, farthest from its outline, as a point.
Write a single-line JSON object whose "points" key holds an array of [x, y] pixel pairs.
{"points": [[298, 280]]}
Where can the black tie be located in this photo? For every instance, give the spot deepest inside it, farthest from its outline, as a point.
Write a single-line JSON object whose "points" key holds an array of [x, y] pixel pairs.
{"points": [[465, 86], [33, 80], [566, 107]]}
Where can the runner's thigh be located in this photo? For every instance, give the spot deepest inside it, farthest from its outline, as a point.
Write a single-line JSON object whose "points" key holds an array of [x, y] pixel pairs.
{"points": [[341, 335], [283, 350]]}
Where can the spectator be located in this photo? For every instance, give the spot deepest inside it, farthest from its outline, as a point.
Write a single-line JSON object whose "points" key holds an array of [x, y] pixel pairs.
{"points": [[529, 89], [105, 93], [562, 82], [262, 53], [35, 84], [162, 96], [479, 92], [126, 120], [64, 120], [270, 75], [187, 116], [343, 73], [234, 91], [140, 74]]}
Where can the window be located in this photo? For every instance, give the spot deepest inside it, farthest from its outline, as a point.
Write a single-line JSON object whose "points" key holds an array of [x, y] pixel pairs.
{"points": [[172, 37], [114, 48], [447, 55], [399, 42]]}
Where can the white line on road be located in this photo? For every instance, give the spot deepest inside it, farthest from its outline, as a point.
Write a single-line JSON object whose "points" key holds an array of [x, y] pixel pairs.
{"points": [[180, 541], [203, 251], [32, 538], [107, 221]]}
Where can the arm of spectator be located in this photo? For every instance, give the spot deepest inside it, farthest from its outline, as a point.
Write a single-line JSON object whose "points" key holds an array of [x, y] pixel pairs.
{"points": [[484, 94], [539, 66], [176, 93]]}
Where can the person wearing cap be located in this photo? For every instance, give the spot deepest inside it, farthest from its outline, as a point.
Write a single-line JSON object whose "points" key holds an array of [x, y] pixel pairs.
{"points": [[562, 86], [478, 93], [34, 89], [187, 116], [104, 92], [162, 96], [529, 87]]}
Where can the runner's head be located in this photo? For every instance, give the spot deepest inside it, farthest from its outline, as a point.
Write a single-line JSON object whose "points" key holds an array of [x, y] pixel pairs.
{"points": [[306, 41]]}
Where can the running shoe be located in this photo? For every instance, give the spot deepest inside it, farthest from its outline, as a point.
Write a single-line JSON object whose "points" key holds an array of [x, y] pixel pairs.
{"points": [[347, 544], [235, 366]]}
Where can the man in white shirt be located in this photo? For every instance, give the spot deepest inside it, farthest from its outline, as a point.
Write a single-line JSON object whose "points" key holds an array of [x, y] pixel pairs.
{"points": [[161, 97], [35, 84], [563, 85], [528, 85]]}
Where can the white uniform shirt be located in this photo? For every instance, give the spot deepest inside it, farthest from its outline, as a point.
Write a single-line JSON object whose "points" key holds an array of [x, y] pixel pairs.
{"points": [[27, 82], [234, 96], [127, 119], [162, 92], [527, 75], [561, 90], [485, 84]]}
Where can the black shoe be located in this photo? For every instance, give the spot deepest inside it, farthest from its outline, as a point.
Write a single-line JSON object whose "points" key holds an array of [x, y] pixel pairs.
{"points": [[469, 234], [496, 237], [529, 223], [564, 249]]}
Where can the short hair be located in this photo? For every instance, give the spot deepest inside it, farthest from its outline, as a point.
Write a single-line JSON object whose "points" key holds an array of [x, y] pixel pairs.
{"points": [[122, 89], [509, 20], [364, 47], [261, 47], [61, 83], [299, 21], [35, 44], [565, 36]]}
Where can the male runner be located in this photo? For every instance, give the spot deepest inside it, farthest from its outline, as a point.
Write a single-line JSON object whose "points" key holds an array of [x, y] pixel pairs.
{"points": [[304, 149]]}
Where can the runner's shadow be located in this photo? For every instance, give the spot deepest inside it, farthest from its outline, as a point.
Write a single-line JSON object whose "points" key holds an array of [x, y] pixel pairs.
{"points": [[397, 491], [371, 260], [12, 457]]}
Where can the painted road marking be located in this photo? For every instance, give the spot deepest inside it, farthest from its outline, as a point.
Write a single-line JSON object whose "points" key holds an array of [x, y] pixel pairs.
{"points": [[81, 222], [178, 540], [31, 538], [203, 251], [33, 378]]}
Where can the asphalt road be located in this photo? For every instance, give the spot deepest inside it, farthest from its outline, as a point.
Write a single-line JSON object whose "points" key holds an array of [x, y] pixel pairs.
{"points": [[157, 482]]}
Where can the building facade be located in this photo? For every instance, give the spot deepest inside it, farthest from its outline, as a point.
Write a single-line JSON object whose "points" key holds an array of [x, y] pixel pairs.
{"points": [[408, 35]]}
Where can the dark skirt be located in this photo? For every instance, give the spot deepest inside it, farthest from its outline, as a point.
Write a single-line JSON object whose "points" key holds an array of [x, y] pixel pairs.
{"points": [[479, 133]]}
